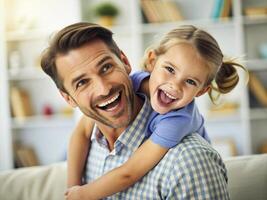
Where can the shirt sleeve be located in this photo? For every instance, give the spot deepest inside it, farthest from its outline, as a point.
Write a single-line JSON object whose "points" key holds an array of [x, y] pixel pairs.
{"points": [[198, 174], [168, 131], [137, 79]]}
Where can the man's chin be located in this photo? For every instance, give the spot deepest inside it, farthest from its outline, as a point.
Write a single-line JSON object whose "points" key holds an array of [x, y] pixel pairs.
{"points": [[119, 123]]}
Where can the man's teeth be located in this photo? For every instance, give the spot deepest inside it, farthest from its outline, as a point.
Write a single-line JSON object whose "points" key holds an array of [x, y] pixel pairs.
{"points": [[169, 95], [109, 101]]}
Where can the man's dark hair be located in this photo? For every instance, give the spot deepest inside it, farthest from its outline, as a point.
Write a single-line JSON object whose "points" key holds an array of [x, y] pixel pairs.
{"points": [[72, 37]]}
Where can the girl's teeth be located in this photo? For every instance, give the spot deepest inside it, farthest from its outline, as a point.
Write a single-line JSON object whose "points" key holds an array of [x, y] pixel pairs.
{"points": [[109, 101], [169, 95]]}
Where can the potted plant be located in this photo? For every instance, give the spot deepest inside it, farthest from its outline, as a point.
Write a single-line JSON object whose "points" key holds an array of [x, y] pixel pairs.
{"points": [[106, 11]]}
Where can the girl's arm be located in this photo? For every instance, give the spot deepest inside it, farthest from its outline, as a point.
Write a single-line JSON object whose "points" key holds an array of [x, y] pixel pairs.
{"points": [[120, 178], [144, 87], [78, 149]]}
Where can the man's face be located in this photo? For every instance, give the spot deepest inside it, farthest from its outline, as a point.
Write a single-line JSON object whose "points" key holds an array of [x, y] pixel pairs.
{"points": [[97, 81]]}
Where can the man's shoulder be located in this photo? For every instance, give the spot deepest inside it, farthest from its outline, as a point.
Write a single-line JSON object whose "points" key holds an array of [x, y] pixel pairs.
{"points": [[192, 167], [194, 148]]}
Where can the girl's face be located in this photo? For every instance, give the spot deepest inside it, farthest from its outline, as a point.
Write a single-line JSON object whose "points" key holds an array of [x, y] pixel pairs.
{"points": [[177, 76]]}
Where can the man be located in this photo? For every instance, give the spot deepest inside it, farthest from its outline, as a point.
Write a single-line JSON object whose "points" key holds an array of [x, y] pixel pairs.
{"points": [[92, 73]]}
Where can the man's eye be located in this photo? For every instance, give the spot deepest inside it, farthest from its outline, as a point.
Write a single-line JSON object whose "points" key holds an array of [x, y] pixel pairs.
{"points": [[169, 69], [81, 83], [106, 67], [191, 82]]}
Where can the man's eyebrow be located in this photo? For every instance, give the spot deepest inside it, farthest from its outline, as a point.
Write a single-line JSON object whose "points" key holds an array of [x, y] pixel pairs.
{"points": [[82, 75], [103, 60]]}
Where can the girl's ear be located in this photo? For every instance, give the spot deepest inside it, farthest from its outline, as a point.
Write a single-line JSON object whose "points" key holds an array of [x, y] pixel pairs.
{"points": [[203, 91], [151, 60], [126, 63], [68, 99]]}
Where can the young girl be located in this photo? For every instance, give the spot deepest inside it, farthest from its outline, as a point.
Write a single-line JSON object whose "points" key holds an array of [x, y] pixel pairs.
{"points": [[185, 64]]}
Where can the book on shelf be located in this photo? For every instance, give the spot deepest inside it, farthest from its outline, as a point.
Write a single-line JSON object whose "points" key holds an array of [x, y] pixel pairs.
{"points": [[257, 89], [20, 103], [226, 108], [255, 11], [25, 156], [217, 7], [226, 9], [221, 9], [158, 11]]}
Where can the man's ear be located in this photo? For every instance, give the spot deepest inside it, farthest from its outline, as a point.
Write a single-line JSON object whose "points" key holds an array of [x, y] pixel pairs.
{"points": [[151, 60], [126, 62], [68, 99], [203, 91]]}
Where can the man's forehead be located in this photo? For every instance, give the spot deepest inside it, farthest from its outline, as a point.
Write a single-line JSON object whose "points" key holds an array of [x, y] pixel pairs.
{"points": [[83, 56]]}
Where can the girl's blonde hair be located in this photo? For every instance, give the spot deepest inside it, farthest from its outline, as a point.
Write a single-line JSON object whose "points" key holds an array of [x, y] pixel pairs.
{"points": [[223, 76]]}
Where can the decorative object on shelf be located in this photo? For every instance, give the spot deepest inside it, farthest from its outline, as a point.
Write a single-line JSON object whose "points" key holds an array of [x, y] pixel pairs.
{"points": [[47, 110], [263, 147], [107, 12], [14, 60], [263, 50], [67, 111]]}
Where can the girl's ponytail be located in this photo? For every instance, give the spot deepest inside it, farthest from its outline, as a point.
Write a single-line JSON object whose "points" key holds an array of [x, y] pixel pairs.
{"points": [[225, 79]]}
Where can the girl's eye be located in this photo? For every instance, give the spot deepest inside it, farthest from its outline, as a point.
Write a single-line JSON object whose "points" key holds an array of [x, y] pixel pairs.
{"points": [[169, 69], [191, 82]]}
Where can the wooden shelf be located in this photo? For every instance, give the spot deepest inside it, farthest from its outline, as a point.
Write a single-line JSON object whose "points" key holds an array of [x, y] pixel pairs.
{"points": [[39, 121], [254, 20], [224, 117], [258, 113], [31, 34], [204, 23], [257, 64], [26, 73]]}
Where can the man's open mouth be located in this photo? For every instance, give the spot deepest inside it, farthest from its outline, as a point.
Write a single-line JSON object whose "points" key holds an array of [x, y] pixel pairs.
{"points": [[111, 103]]}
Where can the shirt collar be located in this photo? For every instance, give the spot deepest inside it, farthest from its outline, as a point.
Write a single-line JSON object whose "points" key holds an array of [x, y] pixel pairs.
{"points": [[134, 134]]}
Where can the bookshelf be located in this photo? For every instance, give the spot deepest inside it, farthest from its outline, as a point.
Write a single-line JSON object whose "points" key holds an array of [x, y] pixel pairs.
{"points": [[33, 114], [237, 33]]}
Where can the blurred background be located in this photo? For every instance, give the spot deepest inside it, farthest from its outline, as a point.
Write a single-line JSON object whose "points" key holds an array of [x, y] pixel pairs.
{"points": [[36, 123]]}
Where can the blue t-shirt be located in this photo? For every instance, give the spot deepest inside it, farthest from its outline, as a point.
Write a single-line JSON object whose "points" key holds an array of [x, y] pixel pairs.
{"points": [[169, 129]]}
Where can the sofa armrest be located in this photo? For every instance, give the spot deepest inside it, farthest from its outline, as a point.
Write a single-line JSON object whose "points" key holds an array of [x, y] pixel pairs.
{"points": [[247, 177], [32, 183]]}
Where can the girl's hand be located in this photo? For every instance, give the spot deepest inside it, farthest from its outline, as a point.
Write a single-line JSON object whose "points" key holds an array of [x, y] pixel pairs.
{"points": [[73, 193]]}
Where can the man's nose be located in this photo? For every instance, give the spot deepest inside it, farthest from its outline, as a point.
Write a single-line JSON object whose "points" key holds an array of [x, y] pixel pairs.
{"points": [[102, 87]]}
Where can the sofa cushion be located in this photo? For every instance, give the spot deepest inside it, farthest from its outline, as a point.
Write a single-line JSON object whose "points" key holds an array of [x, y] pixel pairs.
{"points": [[247, 177], [34, 183]]}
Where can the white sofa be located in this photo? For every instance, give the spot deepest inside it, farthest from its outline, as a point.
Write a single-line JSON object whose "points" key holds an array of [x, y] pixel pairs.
{"points": [[247, 180]]}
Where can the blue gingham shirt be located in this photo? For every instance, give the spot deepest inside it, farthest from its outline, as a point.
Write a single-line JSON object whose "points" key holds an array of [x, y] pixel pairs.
{"points": [[190, 170]]}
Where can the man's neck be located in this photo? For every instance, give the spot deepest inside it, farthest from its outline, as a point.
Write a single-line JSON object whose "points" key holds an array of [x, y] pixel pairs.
{"points": [[112, 134]]}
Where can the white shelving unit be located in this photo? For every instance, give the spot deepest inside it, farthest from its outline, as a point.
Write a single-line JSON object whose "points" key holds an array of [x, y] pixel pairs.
{"points": [[47, 135], [236, 37], [6, 158]]}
